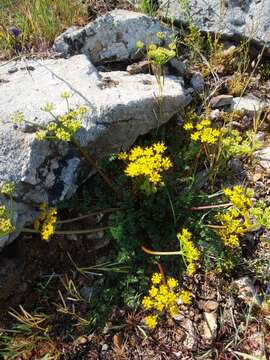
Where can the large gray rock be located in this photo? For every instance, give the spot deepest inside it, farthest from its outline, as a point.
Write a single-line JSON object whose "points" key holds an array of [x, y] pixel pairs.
{"points": [[112, 37], [120, 107], [234, 18]]}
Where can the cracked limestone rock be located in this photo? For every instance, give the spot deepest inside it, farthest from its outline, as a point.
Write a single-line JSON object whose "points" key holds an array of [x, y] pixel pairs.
{"points": [[112, 37], [233, 18], [120, 107]]}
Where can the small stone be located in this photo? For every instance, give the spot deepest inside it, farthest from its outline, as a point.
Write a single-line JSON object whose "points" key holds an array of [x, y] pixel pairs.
{"points": [[178, 317], [105, 347], [141, 67], [247, 104], [87, 292], [221, 100], [214, 114], [263, 158], [260, 136], [209, 305], [210, 326], [258, 341], [236, 166], [82, 340], [179, 66], [12, 70], [191, 340], [247, 291], [197, 82]]}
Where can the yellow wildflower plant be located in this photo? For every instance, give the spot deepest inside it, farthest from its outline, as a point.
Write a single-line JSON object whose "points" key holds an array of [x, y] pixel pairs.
{"points": [[163, 297], [151, 321], [239, 197], [6, 225], [188, 251], [235, 221], [7, 188], [148, 162], [203, 131], [65, 127], [160, 55], [185, 297], [46, 222]]}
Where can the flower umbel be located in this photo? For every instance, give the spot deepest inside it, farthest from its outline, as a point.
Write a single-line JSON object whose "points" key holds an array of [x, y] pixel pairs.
{"points": [[204, 132], [46, 221], [148, 162], [235, 221], [188, 251], [6, 225], [65, 127], [163, 297]]}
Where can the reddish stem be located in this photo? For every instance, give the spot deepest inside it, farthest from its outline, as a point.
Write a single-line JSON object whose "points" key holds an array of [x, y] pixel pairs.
{"points": [[161, 270]]}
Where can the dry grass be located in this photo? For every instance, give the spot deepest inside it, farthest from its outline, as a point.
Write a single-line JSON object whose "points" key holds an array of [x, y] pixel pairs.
{"points": [[32, 25]]}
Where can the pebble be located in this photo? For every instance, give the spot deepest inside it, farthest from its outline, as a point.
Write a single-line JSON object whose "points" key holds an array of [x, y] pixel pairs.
{"points": [[210, 325], [221, 100], [247, 291], [12, 70], [197, 82]]}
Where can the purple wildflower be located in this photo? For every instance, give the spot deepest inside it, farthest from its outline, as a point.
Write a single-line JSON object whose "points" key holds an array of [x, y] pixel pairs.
{"points": [[14, 31]]}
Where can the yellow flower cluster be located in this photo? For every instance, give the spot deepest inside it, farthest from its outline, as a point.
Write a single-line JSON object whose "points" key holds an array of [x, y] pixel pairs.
{"points": [[6, 225], [188, 251], [235, 221], [46, 222], [203, 132], [160, 55], [65, 127], [239, 197], [164, 297], [7, 188], [232, 227], [149, 162]]}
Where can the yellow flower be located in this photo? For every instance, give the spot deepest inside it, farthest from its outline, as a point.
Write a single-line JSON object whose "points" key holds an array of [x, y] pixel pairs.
{"points": [[7, 188], [173, 310], [191, 269], [18, 118], [139, 44], [65, 127], [204, 132], [185, 297], [188, 126], [148, 162], [195, 136], [156, 278], [187, 250], [160, 55], [147, 303], [161, 35], [46, 222], [41, 135], [65, 95], [153, 291], [151, 321], [6, 225], [122, 156], [172, 283], [164, 297]]}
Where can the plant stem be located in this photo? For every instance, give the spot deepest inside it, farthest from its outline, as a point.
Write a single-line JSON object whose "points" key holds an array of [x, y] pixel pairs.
{"points": [[93, 163], [103, 211], [206, 207], [171, 205], [216, 226], [159, 253], [161, 270], [66, 232]]}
